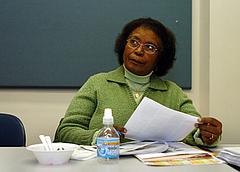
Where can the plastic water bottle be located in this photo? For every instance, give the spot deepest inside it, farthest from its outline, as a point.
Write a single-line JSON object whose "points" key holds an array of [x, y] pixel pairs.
{"points": [[108, 140]]}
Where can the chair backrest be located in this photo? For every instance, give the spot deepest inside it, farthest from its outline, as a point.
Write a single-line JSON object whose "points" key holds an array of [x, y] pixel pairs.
{"points": [[12, 132]]}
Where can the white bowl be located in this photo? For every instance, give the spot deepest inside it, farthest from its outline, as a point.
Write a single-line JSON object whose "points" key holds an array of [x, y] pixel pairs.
{"points": [[61, 153]]}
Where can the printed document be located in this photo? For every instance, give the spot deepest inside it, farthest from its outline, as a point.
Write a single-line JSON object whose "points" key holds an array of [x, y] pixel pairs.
{"points": [[153, 121], [230, 155], [179, 154]]}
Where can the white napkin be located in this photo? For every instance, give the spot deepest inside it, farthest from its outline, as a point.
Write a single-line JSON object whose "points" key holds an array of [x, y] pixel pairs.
{"points": [[83, 154]]}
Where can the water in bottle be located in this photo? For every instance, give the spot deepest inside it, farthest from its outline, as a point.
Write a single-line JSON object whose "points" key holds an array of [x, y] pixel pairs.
{"points": [[108, 140]]}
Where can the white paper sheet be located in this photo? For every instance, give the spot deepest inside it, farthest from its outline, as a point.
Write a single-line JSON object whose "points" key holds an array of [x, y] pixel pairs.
{"points": [[135, 148], [153, 121]]}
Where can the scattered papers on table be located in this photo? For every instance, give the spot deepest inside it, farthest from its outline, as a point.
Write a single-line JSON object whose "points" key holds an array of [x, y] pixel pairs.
{"points": [[141, 147], [231, 155], [153, 121], [84, 152], [179, 156]]}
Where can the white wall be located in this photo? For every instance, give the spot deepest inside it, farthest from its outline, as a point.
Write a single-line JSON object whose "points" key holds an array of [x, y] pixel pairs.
{"points": [[200, 56], [225, 65], [41, 110]]}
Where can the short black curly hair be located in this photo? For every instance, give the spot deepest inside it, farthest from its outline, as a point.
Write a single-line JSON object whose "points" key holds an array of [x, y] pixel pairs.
{"points": [[167, 54]]}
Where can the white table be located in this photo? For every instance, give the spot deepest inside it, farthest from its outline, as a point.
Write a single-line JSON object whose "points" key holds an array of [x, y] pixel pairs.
{"points": [[21, 160]]}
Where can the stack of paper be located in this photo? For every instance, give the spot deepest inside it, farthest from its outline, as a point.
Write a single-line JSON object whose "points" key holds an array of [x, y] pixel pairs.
{"points": [[231, 155], [84, 152], [183, 155], [141, 147]]}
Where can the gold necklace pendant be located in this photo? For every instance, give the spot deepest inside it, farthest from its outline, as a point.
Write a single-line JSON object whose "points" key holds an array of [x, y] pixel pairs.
{"points": [[137, 95]]}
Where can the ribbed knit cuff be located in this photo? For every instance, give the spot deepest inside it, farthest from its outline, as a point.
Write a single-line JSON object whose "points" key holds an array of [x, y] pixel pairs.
{"points": [[94, 138]]}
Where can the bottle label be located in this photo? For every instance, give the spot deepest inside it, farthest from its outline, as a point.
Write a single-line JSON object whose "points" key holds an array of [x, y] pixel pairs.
{"points": [[108, 148]]}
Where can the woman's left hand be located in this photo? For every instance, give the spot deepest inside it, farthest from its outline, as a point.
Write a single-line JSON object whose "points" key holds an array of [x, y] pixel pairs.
{"points": [[210, 129], [121, 131]]}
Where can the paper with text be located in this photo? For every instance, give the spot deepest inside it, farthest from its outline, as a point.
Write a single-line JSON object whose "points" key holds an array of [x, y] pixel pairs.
{"points": [[153, 121]]}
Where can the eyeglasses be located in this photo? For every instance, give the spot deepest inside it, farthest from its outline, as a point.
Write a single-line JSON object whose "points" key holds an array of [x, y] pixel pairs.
{"points": [[147, 47]]}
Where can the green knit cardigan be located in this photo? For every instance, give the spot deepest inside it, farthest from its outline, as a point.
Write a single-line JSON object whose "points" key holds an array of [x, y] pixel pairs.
{"points": [[110, 90]]}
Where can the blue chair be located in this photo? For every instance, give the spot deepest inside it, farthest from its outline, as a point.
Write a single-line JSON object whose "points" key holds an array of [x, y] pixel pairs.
{"points": [[12, 132]]}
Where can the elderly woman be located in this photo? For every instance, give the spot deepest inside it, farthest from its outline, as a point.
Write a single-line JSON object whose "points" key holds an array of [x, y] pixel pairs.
{"points": [[146, 51]]}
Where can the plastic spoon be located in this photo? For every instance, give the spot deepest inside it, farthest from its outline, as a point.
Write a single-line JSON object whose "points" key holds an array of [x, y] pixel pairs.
{"points": [[49, 143], [42, 138]]}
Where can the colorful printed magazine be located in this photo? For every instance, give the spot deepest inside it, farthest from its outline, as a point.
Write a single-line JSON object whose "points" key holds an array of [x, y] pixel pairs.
{"points": [[181, 155]]}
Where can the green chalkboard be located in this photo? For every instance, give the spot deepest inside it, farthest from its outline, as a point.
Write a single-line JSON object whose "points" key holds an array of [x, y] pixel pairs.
{"points": [[60, 43]]}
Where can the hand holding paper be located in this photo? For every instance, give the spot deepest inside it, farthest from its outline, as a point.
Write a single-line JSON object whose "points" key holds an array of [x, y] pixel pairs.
{"points": [[153, 121]]}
